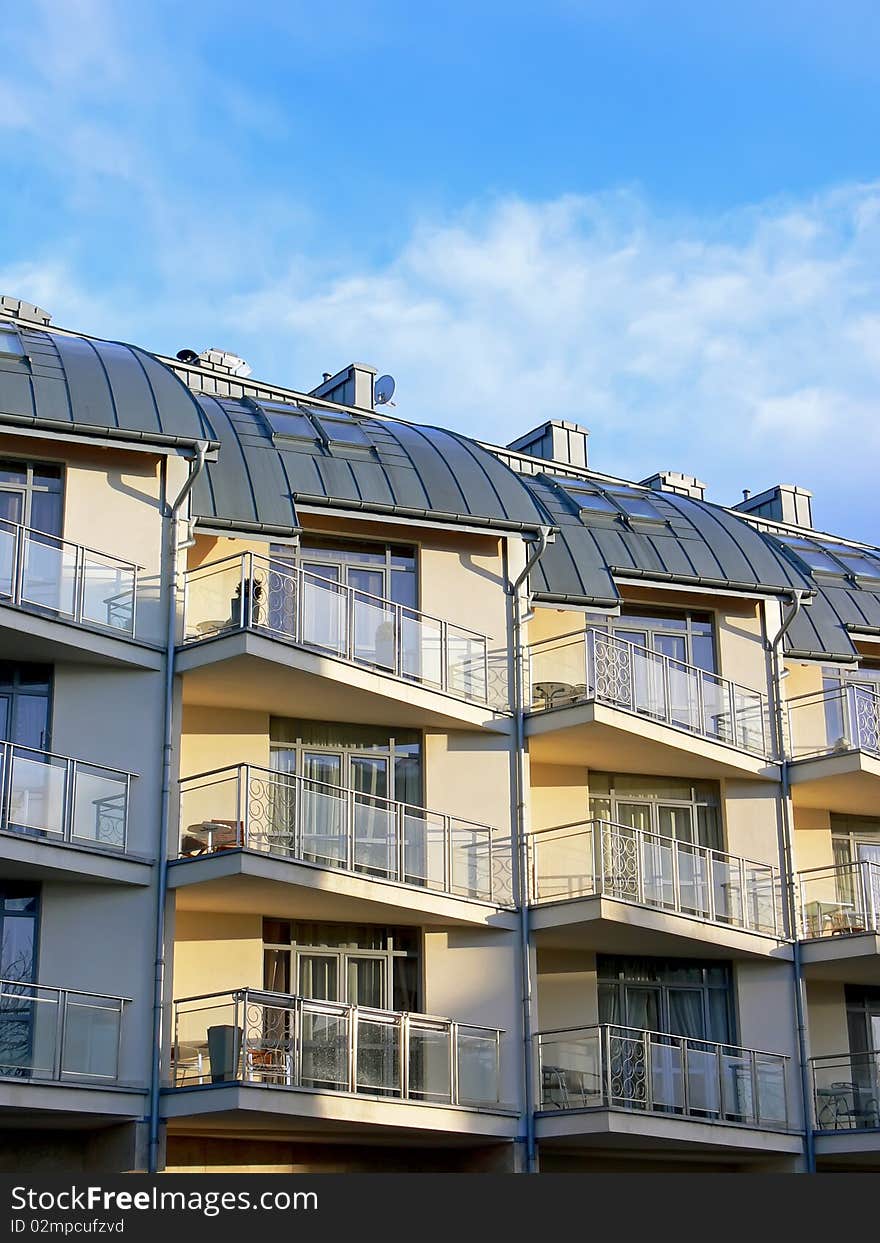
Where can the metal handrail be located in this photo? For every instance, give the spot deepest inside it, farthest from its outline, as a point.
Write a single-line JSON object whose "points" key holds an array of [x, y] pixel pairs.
{"points": [[16, 580], [60, 1057], [861, 728], [476, 668], [848, 1104], [624, 878], [257, 826], [618, 686], [278, 1057], [621, 1072], [52, 761]]}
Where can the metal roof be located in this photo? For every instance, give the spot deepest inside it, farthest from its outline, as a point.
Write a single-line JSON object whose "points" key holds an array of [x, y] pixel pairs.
{"points": [[611, 531], [275, 455], [58, 381]]}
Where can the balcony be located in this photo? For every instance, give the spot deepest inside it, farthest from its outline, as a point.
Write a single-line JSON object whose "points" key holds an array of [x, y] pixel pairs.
{"points": [[285, 830], [56, 581], [839, 912], [635, 1088], [60, 1050], [846, 1105], [250, 608], [64, 815], [588, 877], [591, 689], [285, 1055], [834, 742]]}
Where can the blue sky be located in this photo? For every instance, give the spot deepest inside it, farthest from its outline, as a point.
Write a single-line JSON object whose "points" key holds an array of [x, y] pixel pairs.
{"points": [[659, 219]]}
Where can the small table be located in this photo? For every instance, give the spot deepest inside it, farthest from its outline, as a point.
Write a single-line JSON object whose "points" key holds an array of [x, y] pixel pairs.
{"points": [[550, 691]]}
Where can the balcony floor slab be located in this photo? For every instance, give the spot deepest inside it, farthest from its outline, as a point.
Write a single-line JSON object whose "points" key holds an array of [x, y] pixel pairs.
{"points": [[271, 1110], [848, 958], [40, 1099], [247, 670], [34, 636], [618, 741], [848, 783], [25, 857], [623, 1129], [611, 926], [859, 1149], [252, 882]]}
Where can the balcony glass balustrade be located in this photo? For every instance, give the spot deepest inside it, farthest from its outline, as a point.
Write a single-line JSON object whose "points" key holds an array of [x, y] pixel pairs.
{"points": [[600, 858], [846, 1091], [251, 1036], [308, 821], [47, 574], [255, 592], [59, 1034], [840, 899], [609, 1067], [834, 721], [590, 665], [61, 799]]}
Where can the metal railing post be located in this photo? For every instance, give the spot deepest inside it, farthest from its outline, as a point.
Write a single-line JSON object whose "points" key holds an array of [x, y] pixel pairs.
{"points": [[244, 799], [452, 1033], [352, 1047], [685, 1078], [404, 1056], [60, 1026]]}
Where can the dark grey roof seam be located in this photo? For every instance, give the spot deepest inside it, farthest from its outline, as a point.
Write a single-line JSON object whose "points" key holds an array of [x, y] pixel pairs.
{"points": [[63, 369], [101, 364], [433, 448]]}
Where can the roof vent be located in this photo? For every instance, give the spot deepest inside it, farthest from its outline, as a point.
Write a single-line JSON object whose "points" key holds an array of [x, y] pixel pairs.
{"points": [[681, 485], [785, 502], [24, 310], [224, 360], [555, 441], [352, 386]]}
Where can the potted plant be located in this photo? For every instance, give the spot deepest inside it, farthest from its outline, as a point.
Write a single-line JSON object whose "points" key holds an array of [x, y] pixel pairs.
{"points": [[246, 605]]}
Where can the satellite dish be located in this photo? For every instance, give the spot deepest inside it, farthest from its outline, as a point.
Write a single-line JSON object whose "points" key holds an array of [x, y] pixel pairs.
{"points": [[188, 356], [384, 391]]}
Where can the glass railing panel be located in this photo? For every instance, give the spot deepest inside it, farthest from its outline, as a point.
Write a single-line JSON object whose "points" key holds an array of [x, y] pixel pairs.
{"points": [[466, 661], [375, 845], [694, 880], [29, 1022], [846, 1091], [667, 1072], [558, 672], [38, 792], [477, 1051], [108, 592], [842, 718], [325, 1052], [772, 1105], [53, 1033], [570, 1067], [9, 545], [562, 863], [210, 817], [325, 616], [90, 1045], [421, 648], [760, 905], [378, 1056], [838, 900], [49, 575], [430, 1065], [470, 860], [374, 631], [703, 1083], [736, 1086], [100, 806], [727, 888], [213, 599], [658, 871], [324, 829]]}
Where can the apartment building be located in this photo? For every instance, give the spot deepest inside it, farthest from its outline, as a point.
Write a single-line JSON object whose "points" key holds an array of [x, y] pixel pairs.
{"points": [[377, 799]]}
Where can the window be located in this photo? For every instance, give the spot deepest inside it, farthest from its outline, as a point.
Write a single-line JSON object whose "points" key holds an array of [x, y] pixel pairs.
{"points": [[362, 965], [342, 430], [375, 762], [682, 636], [31, 495], [387, 571], [289, 422], [19, 909], [636, 504], [861, 564], [10, 342], [816, 557], [25, 694], [689, 811], [316, 426], [674, 995]]}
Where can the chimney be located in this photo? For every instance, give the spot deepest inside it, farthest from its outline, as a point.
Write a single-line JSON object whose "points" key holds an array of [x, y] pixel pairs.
{"points": [[224, 360], [555, 441], [353, 386], [681, 485], [24, 310], [785, 502]]}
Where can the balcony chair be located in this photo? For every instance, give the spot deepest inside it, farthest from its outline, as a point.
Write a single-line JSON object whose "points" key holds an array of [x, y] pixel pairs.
{"points": [[563, 1088], [846, 1107]]}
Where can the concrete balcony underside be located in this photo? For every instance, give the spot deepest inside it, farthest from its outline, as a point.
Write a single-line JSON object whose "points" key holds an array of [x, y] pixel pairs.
{"points": [[625, 1130], [260, 1109], [848, 783], [612, 926], [852, 958], [35, 1102], [848, 1148], [252, 882], [33, 636], [610, 738], [246, 670], [26, 857]]}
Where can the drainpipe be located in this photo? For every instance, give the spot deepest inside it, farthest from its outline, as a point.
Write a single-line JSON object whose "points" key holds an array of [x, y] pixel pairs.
{"points": [[545, 535], [774, 645], [196, 466]]}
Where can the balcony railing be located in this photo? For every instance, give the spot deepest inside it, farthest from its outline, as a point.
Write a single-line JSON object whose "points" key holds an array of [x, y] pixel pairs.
{"points": [[846, 1091], [62, 799], [53, 575], [834, 721], [598, 857], [59, 1033], [308, 821], [840, 899], [607, 1067], [592, 665], [252, 1036], [254, 592]]}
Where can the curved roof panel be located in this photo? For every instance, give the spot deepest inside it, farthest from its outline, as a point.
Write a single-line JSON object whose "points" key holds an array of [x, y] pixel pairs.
{"points": [[94, 385], [609, 530], [276, 454]]}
